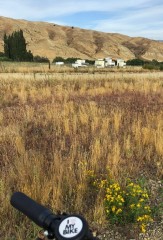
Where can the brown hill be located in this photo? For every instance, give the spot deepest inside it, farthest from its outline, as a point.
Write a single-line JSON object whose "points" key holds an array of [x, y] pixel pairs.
{"points": [[51, 40]]}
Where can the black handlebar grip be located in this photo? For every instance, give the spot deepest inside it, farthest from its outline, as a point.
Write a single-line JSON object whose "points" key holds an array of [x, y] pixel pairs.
{"points": [[36, 212]]}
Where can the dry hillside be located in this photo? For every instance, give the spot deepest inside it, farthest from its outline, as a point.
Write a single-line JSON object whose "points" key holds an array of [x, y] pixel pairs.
{"points": [[51, 40]]}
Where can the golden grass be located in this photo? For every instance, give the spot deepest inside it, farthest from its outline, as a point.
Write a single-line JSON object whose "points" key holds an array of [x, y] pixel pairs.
{"points": [[59, 132]]}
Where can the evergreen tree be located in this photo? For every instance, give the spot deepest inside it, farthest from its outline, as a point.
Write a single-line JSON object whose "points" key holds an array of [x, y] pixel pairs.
{"points": [[6, 46], [15, 47]]}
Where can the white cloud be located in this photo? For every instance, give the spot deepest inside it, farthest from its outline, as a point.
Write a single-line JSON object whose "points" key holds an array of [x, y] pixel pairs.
{"points": [[40, 9], [128, 17], [147, 23]]}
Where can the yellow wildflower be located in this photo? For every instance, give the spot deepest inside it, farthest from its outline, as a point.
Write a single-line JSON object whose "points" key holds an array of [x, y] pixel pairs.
{"points": [[113, 209], [132, 205], [145, 195], [108, 197], [119, 211], [130, 185], [143, 228], [139, 219], [147, 208], [138, 205]]}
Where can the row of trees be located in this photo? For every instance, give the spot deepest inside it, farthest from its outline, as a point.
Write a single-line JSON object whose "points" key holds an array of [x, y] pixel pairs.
{"points": [[152, 65]]}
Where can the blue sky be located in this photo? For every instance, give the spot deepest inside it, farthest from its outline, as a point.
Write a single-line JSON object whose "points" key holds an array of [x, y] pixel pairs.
{"points": [[130, 17]]}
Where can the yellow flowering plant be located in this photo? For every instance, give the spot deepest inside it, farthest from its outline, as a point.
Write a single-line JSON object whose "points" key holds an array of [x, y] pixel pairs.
{"points": [[114, 203], [137, 205], [128, 205]]}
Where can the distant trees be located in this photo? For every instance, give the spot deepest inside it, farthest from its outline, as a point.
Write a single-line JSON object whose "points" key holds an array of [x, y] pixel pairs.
{"points": [[146, 64], [90, 62], [71, 60], [40, 59], [15, 47], [135, 62], [154, 65], [58, 59], [67, 60]]}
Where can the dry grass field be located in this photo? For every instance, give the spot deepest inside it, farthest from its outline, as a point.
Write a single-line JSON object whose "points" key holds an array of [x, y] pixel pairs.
{"points": [[61, 131]]}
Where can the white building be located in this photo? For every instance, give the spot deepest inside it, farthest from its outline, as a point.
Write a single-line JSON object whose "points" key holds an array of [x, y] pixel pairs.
{"points": [[59, 63], [100, 63], [79, 63], [109, 62], [120, 63]]}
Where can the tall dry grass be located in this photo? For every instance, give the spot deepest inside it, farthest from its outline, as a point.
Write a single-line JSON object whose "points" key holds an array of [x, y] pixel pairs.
{"points": [[60, 132]]}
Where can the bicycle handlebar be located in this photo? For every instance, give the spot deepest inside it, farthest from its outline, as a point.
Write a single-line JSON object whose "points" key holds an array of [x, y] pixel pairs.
{"points": [[63, 227], [31, 209]]}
